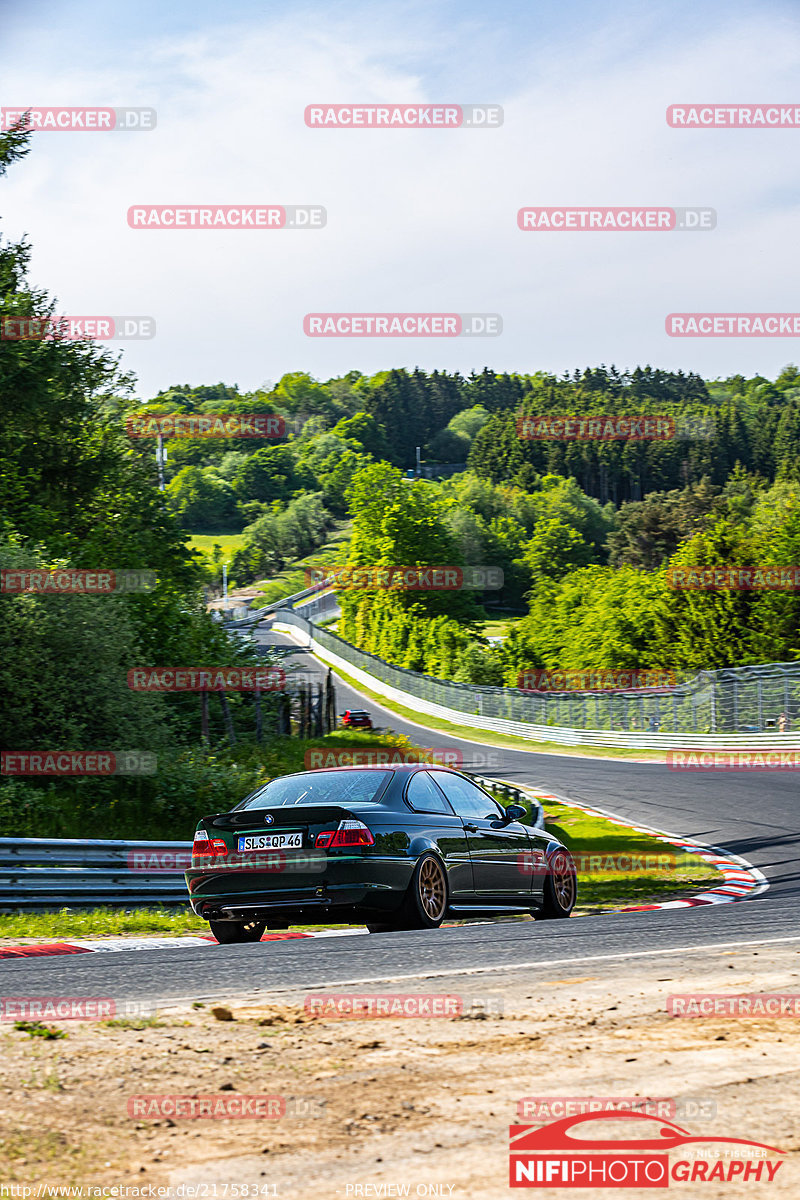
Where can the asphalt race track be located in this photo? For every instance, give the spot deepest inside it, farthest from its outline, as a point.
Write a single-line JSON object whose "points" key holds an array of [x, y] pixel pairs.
{"points": [[755, 815]]}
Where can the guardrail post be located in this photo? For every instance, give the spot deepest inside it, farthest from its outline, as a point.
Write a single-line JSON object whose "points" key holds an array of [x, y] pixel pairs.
{"points": [[735, 705]]}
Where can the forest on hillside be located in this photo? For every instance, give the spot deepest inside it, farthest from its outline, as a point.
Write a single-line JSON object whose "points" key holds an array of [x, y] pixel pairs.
{"points": [[584, 531]]}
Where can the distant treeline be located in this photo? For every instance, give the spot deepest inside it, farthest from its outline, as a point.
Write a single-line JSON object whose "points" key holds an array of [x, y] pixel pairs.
{"points": [[751, 422]]}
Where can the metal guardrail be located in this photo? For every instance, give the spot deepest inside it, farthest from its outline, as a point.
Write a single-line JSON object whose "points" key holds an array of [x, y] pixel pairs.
{"points": [[704, 713], [508, 794], [749, 705], [744, 706], [269, 610], [49, 873]]}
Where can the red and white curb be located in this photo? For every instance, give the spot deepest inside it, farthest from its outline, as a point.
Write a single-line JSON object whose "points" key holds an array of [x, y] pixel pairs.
{"points": [[740, 881], [153, 943]]}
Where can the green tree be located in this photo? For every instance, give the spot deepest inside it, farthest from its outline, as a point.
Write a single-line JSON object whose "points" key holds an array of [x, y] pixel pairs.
{"points": [[649, 531], [200, 499], [554, 549], [269, 474], [365, 430], [496, 453]]}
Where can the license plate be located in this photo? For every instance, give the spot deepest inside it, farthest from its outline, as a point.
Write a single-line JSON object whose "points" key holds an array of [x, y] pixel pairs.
{"points": [[271, 841]]}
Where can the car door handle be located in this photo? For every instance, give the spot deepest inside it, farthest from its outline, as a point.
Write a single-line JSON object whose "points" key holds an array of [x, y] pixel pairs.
{"points": [[471, 828]]}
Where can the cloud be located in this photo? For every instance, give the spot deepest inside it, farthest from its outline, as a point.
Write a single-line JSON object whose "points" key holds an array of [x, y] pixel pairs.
{"points": [[417, 220]]}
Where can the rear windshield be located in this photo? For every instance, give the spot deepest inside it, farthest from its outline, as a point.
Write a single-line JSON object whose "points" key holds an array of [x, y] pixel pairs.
{"points": [[319, 787]]}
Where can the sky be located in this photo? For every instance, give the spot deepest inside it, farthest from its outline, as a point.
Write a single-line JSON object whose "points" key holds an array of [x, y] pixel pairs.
{"points": [[418, 220]]}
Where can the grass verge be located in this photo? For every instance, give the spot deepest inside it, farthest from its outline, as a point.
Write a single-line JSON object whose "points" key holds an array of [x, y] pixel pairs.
{"points": [[293, 577], [498, 626], [205, 543], [603, 851]]}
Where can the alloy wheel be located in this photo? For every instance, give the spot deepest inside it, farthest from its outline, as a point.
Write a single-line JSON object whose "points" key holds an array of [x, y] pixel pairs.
{"points": [[432, 889], [563, 882]]}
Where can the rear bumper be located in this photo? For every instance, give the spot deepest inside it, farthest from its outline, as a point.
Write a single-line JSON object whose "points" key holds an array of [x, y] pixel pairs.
{"points": [[348, 884]]}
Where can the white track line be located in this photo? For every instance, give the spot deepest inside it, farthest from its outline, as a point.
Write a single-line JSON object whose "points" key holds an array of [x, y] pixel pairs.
{"points": [[516, 966]]}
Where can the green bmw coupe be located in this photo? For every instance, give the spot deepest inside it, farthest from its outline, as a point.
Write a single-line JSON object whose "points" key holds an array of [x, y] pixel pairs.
{"points": [[397, 848]]}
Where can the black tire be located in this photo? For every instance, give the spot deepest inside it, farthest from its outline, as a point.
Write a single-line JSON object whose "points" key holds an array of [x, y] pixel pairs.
{"points": [[227, 932], [425, 903], [560, 887]]}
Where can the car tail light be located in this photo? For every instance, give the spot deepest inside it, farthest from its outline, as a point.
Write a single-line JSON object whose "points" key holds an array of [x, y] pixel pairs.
{"points": [[205, 847], [348, 833]]}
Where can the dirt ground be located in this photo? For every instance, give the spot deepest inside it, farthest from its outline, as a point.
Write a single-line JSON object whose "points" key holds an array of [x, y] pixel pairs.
{"points": [[419, 1106]]}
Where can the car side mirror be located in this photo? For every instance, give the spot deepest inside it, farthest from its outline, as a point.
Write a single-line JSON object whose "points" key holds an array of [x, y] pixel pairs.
{"points": [[516, 812]]}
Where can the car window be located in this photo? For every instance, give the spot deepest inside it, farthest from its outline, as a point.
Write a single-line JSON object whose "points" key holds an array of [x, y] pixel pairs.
{"points": [[467, 799], [424, 796], [319, 787]]}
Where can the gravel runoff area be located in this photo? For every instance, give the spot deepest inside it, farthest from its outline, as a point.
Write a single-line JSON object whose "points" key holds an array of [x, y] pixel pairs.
{"points": [[418, 1105]]}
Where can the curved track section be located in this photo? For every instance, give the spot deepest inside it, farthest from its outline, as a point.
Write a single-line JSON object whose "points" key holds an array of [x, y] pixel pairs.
{"points": [[754, 816]]}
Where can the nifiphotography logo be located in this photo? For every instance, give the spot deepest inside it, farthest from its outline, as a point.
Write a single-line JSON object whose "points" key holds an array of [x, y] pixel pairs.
{"points": [[553, 1156]]}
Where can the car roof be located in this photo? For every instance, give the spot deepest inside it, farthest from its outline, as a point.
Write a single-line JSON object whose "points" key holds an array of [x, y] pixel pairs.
{"points": [[414, 766]]}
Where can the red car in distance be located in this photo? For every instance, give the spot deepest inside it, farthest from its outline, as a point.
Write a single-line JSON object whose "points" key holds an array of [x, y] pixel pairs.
{"points": [[356, 718]]}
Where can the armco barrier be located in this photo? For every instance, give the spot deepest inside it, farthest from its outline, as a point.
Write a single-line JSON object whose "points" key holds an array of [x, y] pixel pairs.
{"points": [[48, 873], [466, 704], [314, 601]]}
